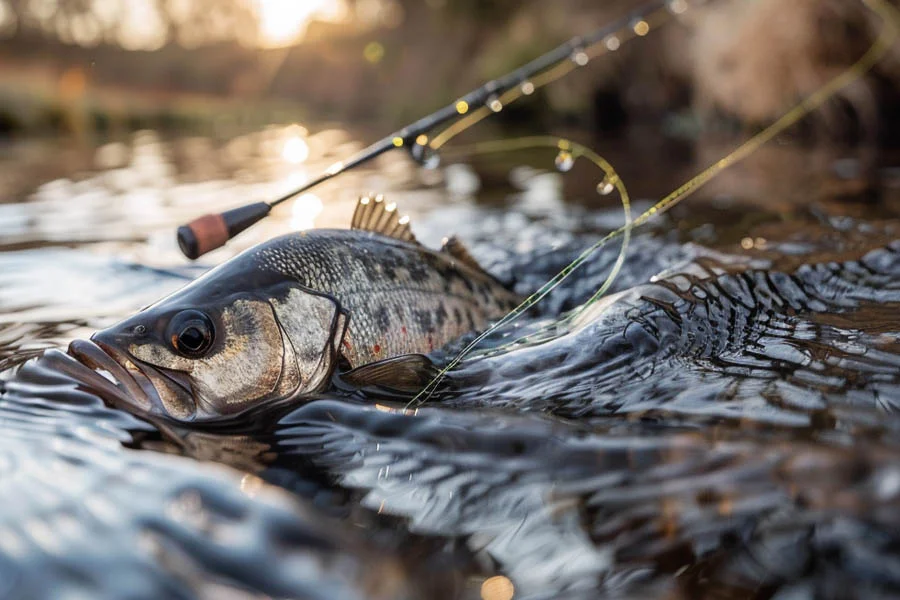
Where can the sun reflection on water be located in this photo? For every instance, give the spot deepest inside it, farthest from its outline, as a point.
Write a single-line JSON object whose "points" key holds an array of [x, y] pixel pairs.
{"points": [[304, 211], [295, 150]]}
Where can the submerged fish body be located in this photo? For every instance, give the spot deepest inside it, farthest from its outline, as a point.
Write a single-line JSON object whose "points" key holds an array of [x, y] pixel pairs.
{"points": [[277, 320]]}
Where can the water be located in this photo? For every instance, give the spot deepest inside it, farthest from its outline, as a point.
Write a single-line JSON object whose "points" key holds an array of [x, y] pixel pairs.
{"points": [[721, 424]]}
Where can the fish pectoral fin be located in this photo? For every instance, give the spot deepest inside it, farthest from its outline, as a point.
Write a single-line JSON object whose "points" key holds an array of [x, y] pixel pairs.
{"points": [[374, 214], [406, 373]]}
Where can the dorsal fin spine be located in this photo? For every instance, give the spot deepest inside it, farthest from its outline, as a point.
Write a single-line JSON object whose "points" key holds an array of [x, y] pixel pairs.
{"points": [[378, 216]]}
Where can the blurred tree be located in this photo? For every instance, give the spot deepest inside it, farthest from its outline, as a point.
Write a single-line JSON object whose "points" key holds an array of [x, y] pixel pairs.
{"points": [[196, 22], [496, 11], [138, 24]]}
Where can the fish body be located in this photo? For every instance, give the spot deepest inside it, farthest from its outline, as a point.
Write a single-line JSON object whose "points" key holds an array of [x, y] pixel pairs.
{"points": [[276, 321], [401, 297]]}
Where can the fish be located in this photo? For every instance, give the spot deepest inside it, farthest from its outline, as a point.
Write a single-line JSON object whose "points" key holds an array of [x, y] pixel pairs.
{"points": [[293, 315]]}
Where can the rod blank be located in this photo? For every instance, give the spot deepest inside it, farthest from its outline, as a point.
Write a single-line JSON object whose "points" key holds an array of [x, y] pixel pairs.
{"points": [[209, 232]]}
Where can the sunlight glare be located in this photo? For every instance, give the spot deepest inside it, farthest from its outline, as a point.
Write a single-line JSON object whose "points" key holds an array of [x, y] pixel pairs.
{"points": [[295, 150], [304, 212], [284, 21]]}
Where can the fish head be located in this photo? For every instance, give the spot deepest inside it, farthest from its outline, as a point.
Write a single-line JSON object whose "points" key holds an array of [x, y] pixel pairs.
{"points": [[223, 345]]}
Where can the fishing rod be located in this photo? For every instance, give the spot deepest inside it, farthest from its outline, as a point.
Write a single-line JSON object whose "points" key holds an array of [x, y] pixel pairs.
{"points": [[212, 231]]}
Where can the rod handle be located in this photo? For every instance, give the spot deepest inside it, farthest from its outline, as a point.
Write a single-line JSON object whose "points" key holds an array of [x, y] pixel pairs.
{"points": [[205, 234]]}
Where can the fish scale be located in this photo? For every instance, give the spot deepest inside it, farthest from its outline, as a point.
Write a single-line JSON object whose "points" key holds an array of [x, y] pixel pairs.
{"points": [[429, 297]]}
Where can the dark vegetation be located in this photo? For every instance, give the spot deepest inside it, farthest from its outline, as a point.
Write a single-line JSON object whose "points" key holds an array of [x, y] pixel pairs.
{"points": [[742, 61]]}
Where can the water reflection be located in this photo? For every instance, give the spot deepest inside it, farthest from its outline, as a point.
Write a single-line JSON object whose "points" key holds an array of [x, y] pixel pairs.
{"points": [[79, 506], [722, 424], [295, 150], [150, 185], [304, 211]]}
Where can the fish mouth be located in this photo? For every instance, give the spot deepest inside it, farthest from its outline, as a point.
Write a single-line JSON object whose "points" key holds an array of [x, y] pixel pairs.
{"points": [[100, 359], [136, 381], [137, 389]]}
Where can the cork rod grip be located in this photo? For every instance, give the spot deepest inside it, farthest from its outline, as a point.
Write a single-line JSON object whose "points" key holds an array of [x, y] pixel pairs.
{"points": [[209, 232], [203, 234]]}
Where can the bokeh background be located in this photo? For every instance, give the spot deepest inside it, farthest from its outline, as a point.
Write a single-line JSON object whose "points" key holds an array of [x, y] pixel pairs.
{"points": [[86, 67], [144, 97]]}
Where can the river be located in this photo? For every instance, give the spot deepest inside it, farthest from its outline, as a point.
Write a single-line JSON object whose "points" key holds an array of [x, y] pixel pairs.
{"points": [[721, 423]]}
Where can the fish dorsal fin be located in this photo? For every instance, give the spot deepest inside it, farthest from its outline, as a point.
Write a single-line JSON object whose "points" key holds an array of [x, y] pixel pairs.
{"points": [[374, 214], [455, 248]]}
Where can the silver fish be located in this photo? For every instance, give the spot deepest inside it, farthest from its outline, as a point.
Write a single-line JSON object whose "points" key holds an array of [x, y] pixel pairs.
{"points": [[279, 320]]}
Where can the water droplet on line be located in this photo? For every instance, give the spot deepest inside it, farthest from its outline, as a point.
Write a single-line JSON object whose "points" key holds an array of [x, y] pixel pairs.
{"points": [[607, 186], [564, 161]]}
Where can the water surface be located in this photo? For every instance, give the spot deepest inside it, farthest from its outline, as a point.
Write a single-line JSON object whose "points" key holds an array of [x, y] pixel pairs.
{"points": [[722, 423]]}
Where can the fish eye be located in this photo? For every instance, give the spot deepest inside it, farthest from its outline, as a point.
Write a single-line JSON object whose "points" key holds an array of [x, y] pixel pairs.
{"points": [[191, 333]]}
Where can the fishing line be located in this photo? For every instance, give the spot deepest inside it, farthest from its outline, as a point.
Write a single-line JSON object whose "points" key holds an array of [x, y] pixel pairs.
{"points": [[875, 53], [610, 176], [886, 38], [610, 182]]}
